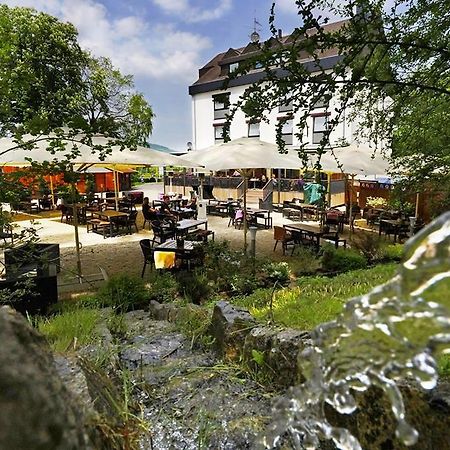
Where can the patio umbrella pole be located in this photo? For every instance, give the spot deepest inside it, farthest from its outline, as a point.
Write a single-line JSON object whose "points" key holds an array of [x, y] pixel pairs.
{"points": [[116, 191], [245, 175], [52, 192], [279, 186], [350, 213], [75, 225]]}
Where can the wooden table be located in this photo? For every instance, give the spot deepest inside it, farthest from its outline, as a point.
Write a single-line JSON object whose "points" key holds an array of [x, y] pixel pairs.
{"points": [[312, 233], [183, 226], [183, 251], [392, 226], [109, 215], [262, 214]]}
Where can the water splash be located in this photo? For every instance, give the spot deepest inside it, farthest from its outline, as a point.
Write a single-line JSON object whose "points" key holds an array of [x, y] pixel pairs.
{"points": [[390, 334]]}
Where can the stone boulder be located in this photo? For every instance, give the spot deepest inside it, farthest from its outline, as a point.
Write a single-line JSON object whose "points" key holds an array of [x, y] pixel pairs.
{"points": [[36, 411], [229, 326]]}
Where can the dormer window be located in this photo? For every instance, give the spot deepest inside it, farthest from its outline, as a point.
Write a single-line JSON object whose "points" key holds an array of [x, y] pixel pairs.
{"points": [[221, 105], [233, 67]]}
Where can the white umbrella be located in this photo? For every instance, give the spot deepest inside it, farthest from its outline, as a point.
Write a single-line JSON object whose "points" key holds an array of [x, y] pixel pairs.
{"points": [[355, 159], [12, 154], [244, 154]]}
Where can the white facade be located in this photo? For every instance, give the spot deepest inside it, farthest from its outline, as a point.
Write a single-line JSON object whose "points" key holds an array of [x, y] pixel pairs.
{"points": [[204, 124]]}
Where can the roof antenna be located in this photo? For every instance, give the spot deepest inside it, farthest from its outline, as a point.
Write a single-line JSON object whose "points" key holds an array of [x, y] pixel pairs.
{"points": [[254, 37]]}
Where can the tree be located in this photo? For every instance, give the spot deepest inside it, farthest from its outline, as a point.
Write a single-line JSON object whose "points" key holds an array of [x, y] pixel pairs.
{"points": [[392, 74], [48, 84], [109, 105], [41, 71]]}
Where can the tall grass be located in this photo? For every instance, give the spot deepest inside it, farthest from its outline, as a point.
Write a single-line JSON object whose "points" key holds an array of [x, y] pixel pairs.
{"points": [[69, 330]]}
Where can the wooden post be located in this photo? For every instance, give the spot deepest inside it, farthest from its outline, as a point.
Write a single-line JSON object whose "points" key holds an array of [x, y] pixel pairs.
{"points": [[350, 213], [75, 225]]}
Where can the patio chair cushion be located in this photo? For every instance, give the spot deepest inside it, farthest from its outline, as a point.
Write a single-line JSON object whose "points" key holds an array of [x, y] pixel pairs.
{"points": [[164, 260]]}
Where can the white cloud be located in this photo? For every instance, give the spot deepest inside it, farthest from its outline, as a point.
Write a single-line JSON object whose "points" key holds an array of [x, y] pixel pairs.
{"points": [[286, 6], [191, 13], [135, 46]]}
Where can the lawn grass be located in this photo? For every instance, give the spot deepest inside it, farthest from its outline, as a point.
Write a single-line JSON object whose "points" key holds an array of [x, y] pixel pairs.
{"points": [[315, 299]]}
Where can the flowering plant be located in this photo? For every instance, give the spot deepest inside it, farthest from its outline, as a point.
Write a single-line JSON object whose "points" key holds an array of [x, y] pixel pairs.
{"points": [[376, 202]]}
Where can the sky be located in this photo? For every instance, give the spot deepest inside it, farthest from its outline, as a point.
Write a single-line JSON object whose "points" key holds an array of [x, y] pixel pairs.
{"points": [[163, 43]]}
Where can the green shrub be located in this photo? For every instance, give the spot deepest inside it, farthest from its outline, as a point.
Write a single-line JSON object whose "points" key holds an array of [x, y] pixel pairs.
{"points": [[222, 265], [195, 285], [163, 287], [242, 284], [276, 272], [369, 244], [123, 292], [341, 259], [392, 252], [304, 262], [70, 329]]}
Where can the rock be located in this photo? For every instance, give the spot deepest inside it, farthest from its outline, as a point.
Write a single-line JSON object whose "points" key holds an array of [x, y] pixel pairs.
{"points": [[36, 410], [278, 350], [229, 326], [283, 357]]}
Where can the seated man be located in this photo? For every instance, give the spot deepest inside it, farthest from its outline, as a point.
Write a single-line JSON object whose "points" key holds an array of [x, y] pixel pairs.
{"points": [[165, 209], [193, 205]]}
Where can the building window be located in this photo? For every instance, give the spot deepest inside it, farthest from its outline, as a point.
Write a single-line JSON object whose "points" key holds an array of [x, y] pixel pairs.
{"points": [[253, 129], [322, 102], [221, 105], [233, 67], [320, 127], [286, 104], [286, 132], [218, 130]]}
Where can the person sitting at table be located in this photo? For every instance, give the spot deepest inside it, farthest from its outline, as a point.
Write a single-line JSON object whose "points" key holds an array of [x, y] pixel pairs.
{"points": [[193, 205], [165, 209], [148, 212]]}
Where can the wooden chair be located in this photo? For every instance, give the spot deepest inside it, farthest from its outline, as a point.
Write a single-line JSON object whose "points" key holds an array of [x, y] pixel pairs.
{"points": [[147, 251], [6, 233], [280, 234]]}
